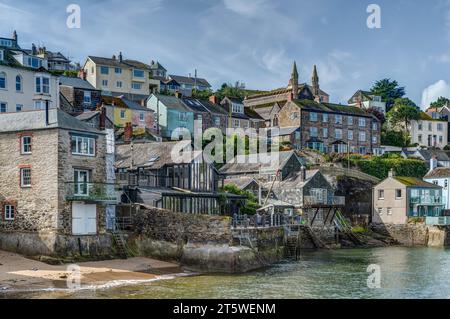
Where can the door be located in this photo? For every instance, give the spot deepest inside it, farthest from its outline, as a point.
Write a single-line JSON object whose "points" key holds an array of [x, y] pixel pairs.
{"points": [[81, 179], [84, 219]]}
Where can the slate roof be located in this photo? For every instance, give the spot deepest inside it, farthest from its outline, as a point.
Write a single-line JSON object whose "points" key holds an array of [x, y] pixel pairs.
{"points": [[313, 106], [242, 164], [283, 131], [172, 102], [241, 182], [126, 63], [294, 180], [157, 66], [285, 90], [440, 155], [123, 102], [35, 120], [76, 83], [439, 172], [414, 182], [189, 80], [152, 155], [252, 114], [213, 108], [194, 105]]}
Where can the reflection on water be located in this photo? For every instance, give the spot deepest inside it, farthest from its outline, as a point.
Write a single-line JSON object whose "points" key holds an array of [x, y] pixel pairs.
{"points": [[405, 273]]}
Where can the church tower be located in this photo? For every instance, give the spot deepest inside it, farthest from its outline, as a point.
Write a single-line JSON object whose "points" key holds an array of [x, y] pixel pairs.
{"points": [[315, 83], [293, 82]]}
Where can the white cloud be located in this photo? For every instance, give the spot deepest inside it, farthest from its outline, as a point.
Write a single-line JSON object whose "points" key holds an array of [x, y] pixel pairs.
{"points": [[247, 7], [434, 91]]}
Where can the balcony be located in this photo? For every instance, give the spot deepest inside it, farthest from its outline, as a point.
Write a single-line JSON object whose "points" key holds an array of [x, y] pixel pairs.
{"points": [[427, 200], [91, 192], [329, 201], [438, 221]]}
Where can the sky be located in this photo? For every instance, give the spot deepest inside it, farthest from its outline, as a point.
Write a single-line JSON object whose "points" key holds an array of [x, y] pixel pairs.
{"points": [[255, 41]]}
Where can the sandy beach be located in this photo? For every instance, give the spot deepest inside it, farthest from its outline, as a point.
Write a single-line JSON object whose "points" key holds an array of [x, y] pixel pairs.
{"points": [[18, 273]]}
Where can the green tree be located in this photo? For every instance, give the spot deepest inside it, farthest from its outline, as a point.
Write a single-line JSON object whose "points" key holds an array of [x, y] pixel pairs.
{"points": [[441, 101], [389, 91], [201, 94], [230, 90], [402, 113]]}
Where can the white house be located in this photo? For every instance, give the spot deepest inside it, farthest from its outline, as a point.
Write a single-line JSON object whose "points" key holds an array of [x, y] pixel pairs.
{"points": [[367, 100], [440, 176], [25, 84], [429, 132]]}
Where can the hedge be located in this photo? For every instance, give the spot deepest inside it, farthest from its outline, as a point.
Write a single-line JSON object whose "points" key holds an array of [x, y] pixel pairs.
{"points": [[379, 167]]}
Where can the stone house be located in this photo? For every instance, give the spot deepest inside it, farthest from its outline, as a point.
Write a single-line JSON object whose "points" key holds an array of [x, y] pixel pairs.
{"points": [[80, 94], [331, 128], [397, 199], [236, 113], [367, 100], [53, 190]]}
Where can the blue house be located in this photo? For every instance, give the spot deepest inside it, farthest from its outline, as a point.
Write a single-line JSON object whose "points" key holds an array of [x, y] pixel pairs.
{"points": [[170, 114]]}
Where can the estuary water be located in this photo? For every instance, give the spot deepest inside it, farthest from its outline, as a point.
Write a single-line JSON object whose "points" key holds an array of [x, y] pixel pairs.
{"points": [[404, 273]]}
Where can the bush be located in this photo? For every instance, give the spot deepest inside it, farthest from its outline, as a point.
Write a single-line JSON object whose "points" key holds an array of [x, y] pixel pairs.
{"points": [[252, 202], [380, 167]]}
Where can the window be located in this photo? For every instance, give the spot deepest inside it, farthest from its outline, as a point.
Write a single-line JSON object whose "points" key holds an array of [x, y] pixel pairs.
{"points": [[236, 123], [118, 70], [217, 120], [398, 193], [325, 133], [104, 82], [199, 117], [9, 212], [338, 119], [374, 140], [293, 116], [350, 135], [82, 145], [81, 179], [34, 62], [389, 211], [419, 126], [381, 194], [119, 84], [182, 116], [122, 114], [18, 83], [25, 177], [350, 120], [3, 107], [42, 85], [440, 139], [440, 127], [362, 122], [142, 116], [374, 126], [338, 133], [313, 131], [25, 145], [380, 211], [430, 126], [19, 107], [377, 98], [325, 118], [136, 86], [313, 117], [237, 108], [138, 73], [104, 70], [39, 105], [419, 137], [87, 97], [2, 80], [1, 55], [362, 136]]}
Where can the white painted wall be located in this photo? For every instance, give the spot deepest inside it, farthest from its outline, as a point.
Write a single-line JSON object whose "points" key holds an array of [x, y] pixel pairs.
{"points": [[27, 95], [444, 182], [425, 132]]}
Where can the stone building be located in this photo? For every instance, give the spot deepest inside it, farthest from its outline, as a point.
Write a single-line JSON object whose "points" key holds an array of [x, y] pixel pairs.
{"points": [[269, 103], [80, 94], [330, 128], [53, 190]]}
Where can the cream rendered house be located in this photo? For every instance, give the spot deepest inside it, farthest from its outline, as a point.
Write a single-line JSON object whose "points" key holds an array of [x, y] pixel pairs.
{"points": [[429, 132], [116, 76]]}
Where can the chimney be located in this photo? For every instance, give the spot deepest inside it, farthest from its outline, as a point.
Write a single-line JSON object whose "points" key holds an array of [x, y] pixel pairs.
{"points": [[433, 163], [178, 95], [114, 57], [391, 173], [14, 36], [33, 49], [128, 134], [143, 103], [303, 173], [102, 120], [82, 74], [290, 97], [213, 99], [120, 57]]}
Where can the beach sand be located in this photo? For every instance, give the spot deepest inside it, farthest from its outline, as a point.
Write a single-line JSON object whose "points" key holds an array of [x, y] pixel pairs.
{"points": [[18, 273]]}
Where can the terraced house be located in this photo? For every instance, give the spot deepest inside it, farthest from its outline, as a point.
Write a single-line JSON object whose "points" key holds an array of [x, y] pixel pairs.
{"points": [[53, 194]]}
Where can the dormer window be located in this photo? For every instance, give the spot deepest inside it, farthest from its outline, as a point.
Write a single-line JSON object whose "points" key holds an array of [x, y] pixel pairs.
{"points": [[238, 108], [377, 98], [34, 62], [6, 43]]}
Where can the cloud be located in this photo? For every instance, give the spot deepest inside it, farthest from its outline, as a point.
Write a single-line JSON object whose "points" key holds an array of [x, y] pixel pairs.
{"points": [[247, 7], [434, 91]]}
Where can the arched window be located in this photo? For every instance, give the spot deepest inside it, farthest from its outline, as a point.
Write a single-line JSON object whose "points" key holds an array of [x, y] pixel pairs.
{"points": [[18, 83], [275, 120], [2, 80]]}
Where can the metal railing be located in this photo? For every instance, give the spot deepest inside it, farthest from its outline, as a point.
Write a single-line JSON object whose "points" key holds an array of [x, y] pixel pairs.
{"points": [[427, 200], [264, 221], [330, 200], [437, 221], [81, 191]]}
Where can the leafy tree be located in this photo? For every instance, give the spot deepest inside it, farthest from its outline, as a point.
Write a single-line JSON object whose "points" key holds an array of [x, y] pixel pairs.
{"points": [[201, 94], [392, 138], [441, 101], [228, 89], [402, 113], [251, 204], [389, 91]]}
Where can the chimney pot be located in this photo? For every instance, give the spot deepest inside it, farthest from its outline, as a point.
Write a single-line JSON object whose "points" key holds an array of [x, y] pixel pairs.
{"points": [[303, 173], [213, 99], [391, 173], [128, 132]]}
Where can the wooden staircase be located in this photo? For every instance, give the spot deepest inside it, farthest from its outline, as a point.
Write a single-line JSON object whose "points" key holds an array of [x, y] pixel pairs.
{"points": [[314, 239], [292, 242], [120, 245], [345, 228]]}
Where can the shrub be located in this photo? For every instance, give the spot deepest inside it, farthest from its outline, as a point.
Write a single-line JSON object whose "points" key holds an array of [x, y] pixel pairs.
{"points": [[380, 167]]}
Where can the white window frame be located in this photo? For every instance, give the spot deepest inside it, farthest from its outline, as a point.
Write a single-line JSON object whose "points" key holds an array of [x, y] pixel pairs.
{"points": [[350, 135], [87, 97], [104, 68], [119, 84], [325, 118], [6, 107], [138, 76], [136, 86], [22, 177], [104, 83], [118, 69], [86, 143], [362, 122], [313, 131], [236, 123], [401, 193], [3, 74], [23, 144], [380, 194], [361, 135], [123, 114], [313, 117], [40, 87], [2, 55], [142, 116], [336, 135], [338, 119], [19, 107], [350, 120], [217, 120], [19, 82], [9, 212]]}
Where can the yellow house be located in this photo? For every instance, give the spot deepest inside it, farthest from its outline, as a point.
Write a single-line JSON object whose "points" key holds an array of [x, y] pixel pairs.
{"points": [[121, 113]]}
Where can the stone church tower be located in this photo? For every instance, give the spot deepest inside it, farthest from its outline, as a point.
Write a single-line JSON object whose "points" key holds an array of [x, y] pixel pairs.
{"points": [[315, 83], [293, 82]]}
